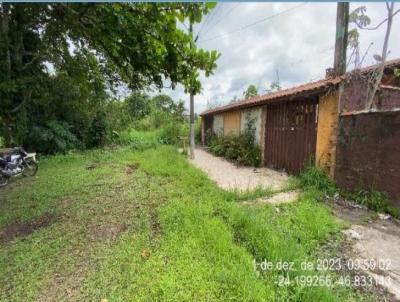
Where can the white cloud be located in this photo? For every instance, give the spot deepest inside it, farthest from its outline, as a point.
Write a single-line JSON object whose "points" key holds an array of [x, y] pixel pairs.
{"points": [[299, 44]]}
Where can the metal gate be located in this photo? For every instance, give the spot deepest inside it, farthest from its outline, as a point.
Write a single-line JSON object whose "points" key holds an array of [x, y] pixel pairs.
{"points": [[290, 136]]}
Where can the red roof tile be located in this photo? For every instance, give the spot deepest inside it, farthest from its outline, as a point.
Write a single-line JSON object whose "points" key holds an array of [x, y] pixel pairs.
{"points": [[309, 88]]}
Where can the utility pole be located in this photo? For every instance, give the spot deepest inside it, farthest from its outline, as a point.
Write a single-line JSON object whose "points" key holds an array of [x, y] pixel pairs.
{"points": [[342, 24], [339, 67], [191, 100]]}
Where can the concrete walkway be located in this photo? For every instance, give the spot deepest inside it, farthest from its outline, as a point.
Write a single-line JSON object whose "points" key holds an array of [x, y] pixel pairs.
{"points": [[228, 176]]}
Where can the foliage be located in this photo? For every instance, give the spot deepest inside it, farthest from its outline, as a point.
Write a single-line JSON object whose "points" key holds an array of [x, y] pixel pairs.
{"points": [[234, 100], [359, 20], [315, 179], [176, 223], [166, 104], [374, 200], [275, 86], [197, 131], [239, 148], [251, 91], [397, 72], [53, 137], [138, 105], [118, 116], [98, 131], [171, 132], [139, 140], [60, 61]]}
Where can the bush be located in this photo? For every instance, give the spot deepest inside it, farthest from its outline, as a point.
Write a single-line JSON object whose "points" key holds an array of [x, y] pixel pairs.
{"points": [[170, 134], [314, 178], [53, 137], [197, 131], [98, 133], [138, 140], [239, 148], [374, 200]]}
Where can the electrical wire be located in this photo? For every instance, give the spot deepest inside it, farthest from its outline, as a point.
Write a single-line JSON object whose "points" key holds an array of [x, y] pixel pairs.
{"points": [[222, 18], [254, 23]]}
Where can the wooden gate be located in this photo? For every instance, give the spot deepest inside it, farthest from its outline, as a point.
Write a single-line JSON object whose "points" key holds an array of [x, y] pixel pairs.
{"points": [[290, 136]]}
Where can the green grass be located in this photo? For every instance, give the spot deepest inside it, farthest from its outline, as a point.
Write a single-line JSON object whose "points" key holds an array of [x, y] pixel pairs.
{"points": [[140, 140], [185, 239]]}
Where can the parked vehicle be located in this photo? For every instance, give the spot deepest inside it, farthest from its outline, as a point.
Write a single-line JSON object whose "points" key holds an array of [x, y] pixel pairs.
{"points": [[17, 162]]}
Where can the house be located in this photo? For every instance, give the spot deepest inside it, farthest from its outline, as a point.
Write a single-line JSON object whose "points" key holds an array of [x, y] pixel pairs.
{"points": [[325, 121]]}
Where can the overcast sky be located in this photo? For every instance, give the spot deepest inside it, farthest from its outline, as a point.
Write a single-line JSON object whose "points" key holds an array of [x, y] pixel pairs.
{"points": [[297, 44]]}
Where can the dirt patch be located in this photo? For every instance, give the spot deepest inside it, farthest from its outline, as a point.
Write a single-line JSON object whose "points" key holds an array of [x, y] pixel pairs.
{"points": [[93, 165], [131, 168], [16, 230], [108, 232], [155, 226]]}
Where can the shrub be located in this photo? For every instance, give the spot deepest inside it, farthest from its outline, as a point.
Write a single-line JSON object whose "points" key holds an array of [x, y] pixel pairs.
{"points": [[169, 134], [239, 148], [139, 140], [197, 131], [314, 178], [98, 132], [53, 137], [374, 200]]}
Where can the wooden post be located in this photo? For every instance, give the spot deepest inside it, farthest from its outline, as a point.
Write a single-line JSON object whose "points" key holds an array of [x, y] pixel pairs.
{"points": [[342, 24]]}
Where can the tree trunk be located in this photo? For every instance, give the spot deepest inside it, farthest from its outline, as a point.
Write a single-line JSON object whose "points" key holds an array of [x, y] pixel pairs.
{"points": [[191, 106], [373, 88]]}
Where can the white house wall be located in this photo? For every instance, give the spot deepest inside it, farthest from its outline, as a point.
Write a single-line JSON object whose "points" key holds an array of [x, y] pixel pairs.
{"points": [[254, 113], [218, 124]]}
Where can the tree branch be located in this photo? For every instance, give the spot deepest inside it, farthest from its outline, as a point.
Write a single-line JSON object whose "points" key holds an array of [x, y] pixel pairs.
{"points": [[380, 24]]}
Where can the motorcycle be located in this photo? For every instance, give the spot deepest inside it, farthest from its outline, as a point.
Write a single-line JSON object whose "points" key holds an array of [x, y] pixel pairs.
{"points": [[17, 162]]}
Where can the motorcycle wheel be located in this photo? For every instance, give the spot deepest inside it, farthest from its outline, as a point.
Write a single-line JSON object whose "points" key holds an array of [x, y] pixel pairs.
{"points": [[30, 168], [3, 180]]}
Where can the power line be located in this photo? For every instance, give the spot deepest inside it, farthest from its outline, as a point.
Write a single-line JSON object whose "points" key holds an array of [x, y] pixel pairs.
{"points": [[223, 17], [207, 20], [254, 23]]}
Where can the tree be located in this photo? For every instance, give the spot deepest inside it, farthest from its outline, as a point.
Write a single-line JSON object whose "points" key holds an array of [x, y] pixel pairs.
{"points": [[359, 19], [234, 99], [91, 48], [138, 105], [251, 91], [378, 74]]}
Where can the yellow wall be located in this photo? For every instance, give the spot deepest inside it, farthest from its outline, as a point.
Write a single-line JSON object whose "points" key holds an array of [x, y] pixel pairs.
{"points": [[232, 122], [326, 134]]}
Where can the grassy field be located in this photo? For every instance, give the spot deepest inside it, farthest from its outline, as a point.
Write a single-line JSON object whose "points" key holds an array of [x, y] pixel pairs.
{"points": [[125, 225]]}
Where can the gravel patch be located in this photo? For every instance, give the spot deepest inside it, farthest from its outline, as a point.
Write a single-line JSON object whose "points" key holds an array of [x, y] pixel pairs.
{"points": [[228, 176]]}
